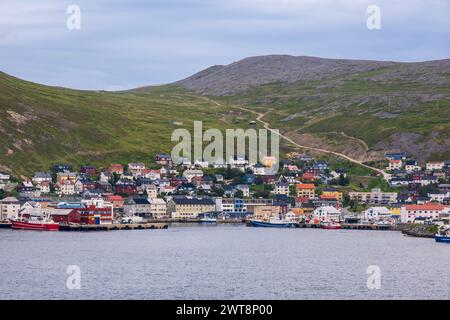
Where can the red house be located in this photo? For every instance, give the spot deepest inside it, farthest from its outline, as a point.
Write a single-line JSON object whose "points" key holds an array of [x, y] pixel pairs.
{"points": [[65, 216], [89, 170], [94, 215]]}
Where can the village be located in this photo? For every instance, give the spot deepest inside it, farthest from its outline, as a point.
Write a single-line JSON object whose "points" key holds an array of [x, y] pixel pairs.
{"points": [[305, 191]]}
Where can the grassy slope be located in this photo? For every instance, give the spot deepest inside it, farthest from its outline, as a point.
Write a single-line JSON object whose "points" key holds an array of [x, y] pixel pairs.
{"points": [[79, 127], [355, 105]]}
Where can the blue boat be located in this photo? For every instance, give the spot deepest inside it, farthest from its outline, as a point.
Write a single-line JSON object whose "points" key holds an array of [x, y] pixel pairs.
{"points": [[272, 224], [442, 238], [443, 234]]}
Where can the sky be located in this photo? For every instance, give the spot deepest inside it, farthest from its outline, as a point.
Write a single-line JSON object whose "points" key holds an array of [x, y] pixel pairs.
{"points": [[124, 44]]}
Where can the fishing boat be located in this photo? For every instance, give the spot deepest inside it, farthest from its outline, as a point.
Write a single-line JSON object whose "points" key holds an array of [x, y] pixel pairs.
{"points": [[330, 226], [34, 223], [208, 220], [272, 223], [443, 236]]}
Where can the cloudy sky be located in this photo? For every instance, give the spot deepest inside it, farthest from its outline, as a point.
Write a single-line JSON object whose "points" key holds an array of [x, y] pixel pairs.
{"points": [[130, 43]]}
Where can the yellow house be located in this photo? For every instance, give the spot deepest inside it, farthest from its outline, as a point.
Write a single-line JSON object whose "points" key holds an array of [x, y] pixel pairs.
{"points": [[332, 194], [307, 190], [395, 211]]}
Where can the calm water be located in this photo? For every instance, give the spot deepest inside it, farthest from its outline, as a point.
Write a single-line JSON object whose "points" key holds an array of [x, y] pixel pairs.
{"points": [[222, 262]]}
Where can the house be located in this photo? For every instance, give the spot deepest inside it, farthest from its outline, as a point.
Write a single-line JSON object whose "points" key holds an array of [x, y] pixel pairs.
{"points": [[152, 174], [439, 197], [125, 186], [83, 185], [89, 170], [152, 191], [189, 207], [412, 166], [266, 212], [218, 177], [281, 188], [430, 211], [395, 165], [327, 214], [44, 187], [308, 177], [94, 215], [4, 176], [425, 180], [231, 205], [137, 207], [136, 168], [9, 208], [320, 165], [116, 168], [106, 177], [66, 176], [61, 168], [117, 201], [376, 196], [65, 187], [191, 173], [245, 188], [259, 169], [42, 177], [396, 156], [377, 214], [306, 190], [435, 165], [158, 208], [163, 158], [331, 193]]}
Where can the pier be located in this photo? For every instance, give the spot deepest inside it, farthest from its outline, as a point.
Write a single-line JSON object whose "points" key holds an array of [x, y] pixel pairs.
{"points": [[5, 225], [112, 227]]}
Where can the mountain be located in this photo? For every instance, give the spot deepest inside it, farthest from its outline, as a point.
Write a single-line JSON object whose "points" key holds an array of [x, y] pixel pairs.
{"points": [[41, 125], [360, 108]]}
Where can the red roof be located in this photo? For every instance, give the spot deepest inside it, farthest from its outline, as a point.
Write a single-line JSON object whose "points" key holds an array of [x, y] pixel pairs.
{"points": [[306, 186], [309, 176], [427, 206], [115, 198]]}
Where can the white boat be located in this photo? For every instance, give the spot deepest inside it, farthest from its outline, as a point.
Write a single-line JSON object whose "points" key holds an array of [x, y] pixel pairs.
{"points": [[208, 220]]}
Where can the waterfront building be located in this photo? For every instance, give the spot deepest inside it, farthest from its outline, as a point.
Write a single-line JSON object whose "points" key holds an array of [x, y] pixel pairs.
{"points": [[189, 207], [376, 196], [9, 208], [158, 208], [419, 212], [137, 207], [377, 214], [327, 214]]}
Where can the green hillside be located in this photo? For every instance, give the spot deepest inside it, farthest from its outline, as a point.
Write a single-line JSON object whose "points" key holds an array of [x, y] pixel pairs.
{"points": [[41, 125]]}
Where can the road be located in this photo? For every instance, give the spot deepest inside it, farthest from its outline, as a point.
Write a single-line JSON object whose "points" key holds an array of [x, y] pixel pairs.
{"points": [[266, 125]]}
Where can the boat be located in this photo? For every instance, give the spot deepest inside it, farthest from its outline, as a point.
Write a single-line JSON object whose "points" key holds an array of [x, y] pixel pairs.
{"points": [[330, 226], [34, 223], [443, 236], [273, 223], [208, 220]]}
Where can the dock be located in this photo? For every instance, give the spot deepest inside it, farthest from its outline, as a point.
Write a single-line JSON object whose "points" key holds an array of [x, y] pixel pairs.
{"points": [[352, 226], [5, 225], [112, 227]]}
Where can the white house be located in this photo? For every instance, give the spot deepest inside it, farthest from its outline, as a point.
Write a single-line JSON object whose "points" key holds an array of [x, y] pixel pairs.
{"points": [[190, 174], [9, 208], [40, 177], [435, 165], [327, 214], [431, 211], [395, 165], [281, 188], [4, 176], [439, 197], [377, 214]]}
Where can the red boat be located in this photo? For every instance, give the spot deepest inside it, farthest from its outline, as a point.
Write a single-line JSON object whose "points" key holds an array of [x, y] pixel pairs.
{"points": [[38, 224], [330, 226]]}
